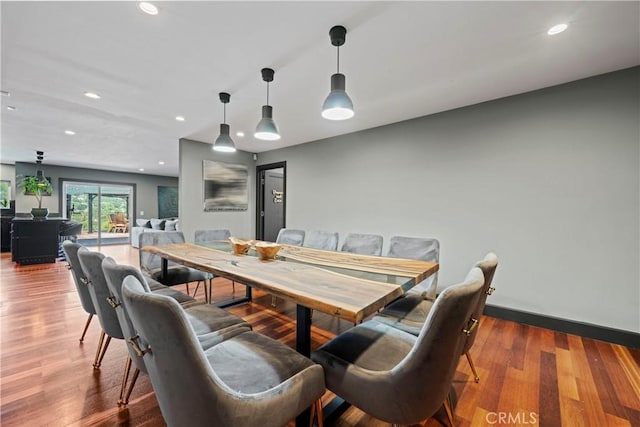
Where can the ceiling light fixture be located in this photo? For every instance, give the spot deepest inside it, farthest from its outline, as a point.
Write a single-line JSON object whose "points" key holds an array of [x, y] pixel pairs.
{"points": [[161, 162], [141, 169], [180, 118], [338, 105], [240, 133], [69, 132], [224, 143], [557, 29], [267, 129], [11, 108], [92, 95], [148, 8], [4, 93]]}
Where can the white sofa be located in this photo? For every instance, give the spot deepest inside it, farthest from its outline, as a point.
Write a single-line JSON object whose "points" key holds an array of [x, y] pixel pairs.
{"points": [[152, 224]]}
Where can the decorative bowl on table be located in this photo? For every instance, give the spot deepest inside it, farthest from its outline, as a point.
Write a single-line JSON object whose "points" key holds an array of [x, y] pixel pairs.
{"points": [[240, 247], [267, 250]]}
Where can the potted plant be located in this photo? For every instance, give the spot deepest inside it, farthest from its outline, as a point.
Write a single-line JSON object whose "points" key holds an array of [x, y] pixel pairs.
{"points": [[37, 186]]}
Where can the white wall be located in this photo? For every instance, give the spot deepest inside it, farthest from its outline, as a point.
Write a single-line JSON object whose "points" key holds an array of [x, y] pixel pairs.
{"points": [[192, 214], [549, 180]]}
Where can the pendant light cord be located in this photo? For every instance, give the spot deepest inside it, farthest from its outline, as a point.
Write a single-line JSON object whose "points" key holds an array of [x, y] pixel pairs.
{"points": [[267, 93], [338, 68], [224, 113]]}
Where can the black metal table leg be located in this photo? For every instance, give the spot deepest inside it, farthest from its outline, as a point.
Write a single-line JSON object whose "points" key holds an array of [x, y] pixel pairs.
{"points": [[165, 271], [303, 346]]}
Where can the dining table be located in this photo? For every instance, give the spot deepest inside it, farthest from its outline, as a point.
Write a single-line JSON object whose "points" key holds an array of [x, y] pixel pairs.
{"points": [[345, 285]]}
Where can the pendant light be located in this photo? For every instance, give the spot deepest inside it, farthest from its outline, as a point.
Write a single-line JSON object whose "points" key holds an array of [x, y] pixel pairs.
{"points": [[267, 129], [224, 143], [338, 105]]}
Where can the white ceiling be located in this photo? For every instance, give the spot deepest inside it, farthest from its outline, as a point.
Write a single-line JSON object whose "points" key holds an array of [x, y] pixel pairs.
{"points": [[401, 60]]}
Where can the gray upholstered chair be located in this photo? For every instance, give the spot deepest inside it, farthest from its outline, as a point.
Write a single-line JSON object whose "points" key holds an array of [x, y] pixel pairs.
{"points": [[326, 240], [406, 378], [210, 323], [289, 236], [247, 380], [410, 313], [205, 236], [424, 249], [177, 274], [363, 244], [91, 263], [71, 255]]}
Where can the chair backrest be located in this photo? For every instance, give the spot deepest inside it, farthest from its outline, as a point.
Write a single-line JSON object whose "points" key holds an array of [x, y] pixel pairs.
{"points": [[424, 249], [184, 382], [427, 371], [91, 263], [317, 239], [79, 278], [149, 261], [115, 274], [289, 236], [488, 266], [203, 236], [363, 244]]}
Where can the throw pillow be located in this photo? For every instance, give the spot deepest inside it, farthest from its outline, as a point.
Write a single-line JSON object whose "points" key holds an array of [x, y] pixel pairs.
{"points": [[143, 223], [170, 225], [157, 224]]}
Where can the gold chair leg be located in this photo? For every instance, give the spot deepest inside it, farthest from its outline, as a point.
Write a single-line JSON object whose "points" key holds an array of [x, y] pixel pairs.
{"points": [[316, 412], [208, 301], [188, 293], [101, 351], [134, 378], [447, 409], [473, 368], [86, 326], [233, 287], [125, 378]]}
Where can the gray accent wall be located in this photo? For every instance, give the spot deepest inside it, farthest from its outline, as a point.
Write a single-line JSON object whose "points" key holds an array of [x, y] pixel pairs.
{"points": [[549, 180], [191, 192], [146, 186]]}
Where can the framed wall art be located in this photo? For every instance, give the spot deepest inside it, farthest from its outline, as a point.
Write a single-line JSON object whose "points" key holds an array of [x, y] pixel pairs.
{"points": [[225, 186]]}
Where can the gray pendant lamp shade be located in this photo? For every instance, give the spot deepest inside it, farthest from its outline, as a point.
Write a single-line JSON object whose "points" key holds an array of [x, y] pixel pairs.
{"points": [[267, 129], [338, 105], [224, 143]]}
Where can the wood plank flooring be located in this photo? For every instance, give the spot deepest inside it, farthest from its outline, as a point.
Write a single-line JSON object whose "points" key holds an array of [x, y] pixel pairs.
{"points": [[528, 376]]}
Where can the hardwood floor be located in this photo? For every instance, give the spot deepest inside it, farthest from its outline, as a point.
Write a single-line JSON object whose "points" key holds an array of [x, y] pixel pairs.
{"points": [[528, 376]]}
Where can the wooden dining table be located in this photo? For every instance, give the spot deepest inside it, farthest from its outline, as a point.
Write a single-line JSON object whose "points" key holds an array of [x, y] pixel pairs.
{"points": [[345, 285]]}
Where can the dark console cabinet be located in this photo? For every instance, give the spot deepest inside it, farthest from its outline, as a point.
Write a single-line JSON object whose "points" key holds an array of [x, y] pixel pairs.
{"points": [[34, 242]]}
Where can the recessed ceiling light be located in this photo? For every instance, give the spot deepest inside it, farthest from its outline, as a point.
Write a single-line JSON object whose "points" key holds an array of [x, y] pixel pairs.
{"points": [[180, 118], [240, 134], [69, 132], [11, 108], [148, 8], [92, 95], [141, 169], [4, 93], [557, 29], [161, 162]]}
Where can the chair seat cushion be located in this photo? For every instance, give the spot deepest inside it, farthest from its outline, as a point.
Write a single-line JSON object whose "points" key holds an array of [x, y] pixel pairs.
{"points": [[179, 274], [252, 363], [407, 313], [371, 345]]}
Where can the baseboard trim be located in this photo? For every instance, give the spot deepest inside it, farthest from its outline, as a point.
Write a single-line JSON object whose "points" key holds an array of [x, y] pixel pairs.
{"points": [[587, 330]]}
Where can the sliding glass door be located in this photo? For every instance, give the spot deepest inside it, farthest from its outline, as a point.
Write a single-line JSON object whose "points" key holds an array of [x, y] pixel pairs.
{"points": [[103, 209]]}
